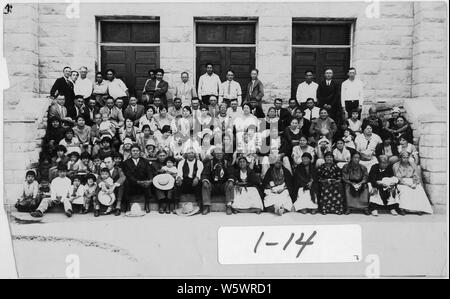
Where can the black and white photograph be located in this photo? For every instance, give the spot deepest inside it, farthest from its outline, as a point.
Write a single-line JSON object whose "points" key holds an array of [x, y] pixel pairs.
{"points": [[224, 139]]}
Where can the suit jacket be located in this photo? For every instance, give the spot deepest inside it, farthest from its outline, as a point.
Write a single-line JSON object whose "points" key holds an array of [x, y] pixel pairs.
{"points": [[258, 112], [328, 94], [257, 92], [285, 116], [87, 115], [150, 88], [61, 86], [118, 176], [134, 173], [134, 116], [72, 112], [54, 111]]}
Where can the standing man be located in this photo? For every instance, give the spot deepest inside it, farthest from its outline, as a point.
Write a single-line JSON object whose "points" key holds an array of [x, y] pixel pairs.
{"points": [[230, 90], [83, 86], [119, 179], [116, 87], [185, 90], [307, 89], [156, 88], [139, 175], [352, 95], [100, 92], [328, 95], [255, 88], [63, 86], [208, 84]]}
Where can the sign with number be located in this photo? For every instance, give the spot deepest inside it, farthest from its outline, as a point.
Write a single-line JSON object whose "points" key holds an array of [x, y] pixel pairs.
{"points": [[289, 244]]}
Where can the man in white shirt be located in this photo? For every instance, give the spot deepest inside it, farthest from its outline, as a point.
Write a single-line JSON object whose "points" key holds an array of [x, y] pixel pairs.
{"points": [[208, 84], [83, 86], [185, 91], [307, 89], [352, 93], [312, 111], [189, 175], [100, 91], [60, 188], [116, 87], [230, 90], [234, 111]]}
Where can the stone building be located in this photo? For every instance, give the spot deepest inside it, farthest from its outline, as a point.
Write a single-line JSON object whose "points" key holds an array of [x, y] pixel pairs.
{"points": [[398, 48]]}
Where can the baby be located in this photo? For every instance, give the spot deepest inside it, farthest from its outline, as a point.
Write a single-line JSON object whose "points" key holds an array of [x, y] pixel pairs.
{"points": [[106, 126], [170, 167], [348, 139]]}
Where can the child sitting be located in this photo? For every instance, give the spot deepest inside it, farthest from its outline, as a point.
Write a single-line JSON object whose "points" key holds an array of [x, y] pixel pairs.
{"points": [[106, 190], [170, 167], [71, 142], [354, 123], [77, 192], [106, 126], [29, 199], [85, 164], [91, 191], [348, 139], [74, 164]]}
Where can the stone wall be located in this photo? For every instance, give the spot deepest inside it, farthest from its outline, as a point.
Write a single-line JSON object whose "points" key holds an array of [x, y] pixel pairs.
{"points": [[429, 78]]}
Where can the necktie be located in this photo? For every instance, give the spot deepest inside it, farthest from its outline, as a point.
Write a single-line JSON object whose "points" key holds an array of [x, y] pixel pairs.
{"points": [[134, 109], [229, 88], [253, 86]]}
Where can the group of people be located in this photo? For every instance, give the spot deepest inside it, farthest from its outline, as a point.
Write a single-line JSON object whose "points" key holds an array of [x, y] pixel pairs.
{"points": [[105, 149]]}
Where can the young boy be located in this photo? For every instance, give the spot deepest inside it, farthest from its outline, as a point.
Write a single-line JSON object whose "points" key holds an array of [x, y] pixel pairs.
{"points": [[71, 142], [29, 199], [97, 165], [74, 164], [59, 159], [91, 192], [105, 190], [118, 159], [354, 123], [76, 194], [170, 167], [59, 194]]}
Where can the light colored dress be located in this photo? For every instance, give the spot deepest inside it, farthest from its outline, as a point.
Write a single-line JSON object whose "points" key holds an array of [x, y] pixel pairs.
{"points": [[282, 199], [304, 200], [246, 197], [366, 146], [413, 200]]}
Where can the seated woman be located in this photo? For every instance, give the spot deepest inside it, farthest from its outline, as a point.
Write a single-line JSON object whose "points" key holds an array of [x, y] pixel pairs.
{"points": [[128, 131], [148, 119], [412, 196], [366, 144], [248, 145], [291, 136], [247, 198], [305, 186], [300, 149], [303, 123], [341, 155], [387, 148], [323, 126], [383, 187], [402, 127], [163, 118], [331, 197], [355, 176], [323, 146], [405, 146], [278, 189], [274, 148]]}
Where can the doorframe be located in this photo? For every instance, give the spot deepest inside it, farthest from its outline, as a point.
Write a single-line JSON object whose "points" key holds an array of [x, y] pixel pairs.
{"points": [[130, 19], [223, 20]]}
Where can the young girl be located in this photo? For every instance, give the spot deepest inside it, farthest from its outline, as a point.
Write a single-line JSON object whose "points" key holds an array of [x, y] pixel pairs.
{"points": [[348, 139], [76, 194], [85, 164], [91, 188], [83, 133], [129, 131], [106, 188], [74, 164], [151, 150], [106, 126], [125, 148], [71, 142], [29, 199], [354, 123]]}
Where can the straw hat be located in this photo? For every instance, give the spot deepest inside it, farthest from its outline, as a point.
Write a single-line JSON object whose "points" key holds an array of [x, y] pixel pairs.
{"points": [[187, 209], [105, 199], [164, 181], [135, 211]]}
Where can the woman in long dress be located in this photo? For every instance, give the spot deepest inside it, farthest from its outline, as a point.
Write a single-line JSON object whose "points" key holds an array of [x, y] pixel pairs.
{"points": [[355, 176], [366, 143], [247, 198], [305, 186], [278, 189], [383, 187], [331, 197], [412, 196]]}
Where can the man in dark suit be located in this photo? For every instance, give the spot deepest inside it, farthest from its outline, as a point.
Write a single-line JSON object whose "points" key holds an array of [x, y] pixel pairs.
{"points": [[255, 88], [119, 179], [256, 110], [63, 86], [90, 110], [139, 176], [282, 113], [77, 109], [134, 111], [328, 95], [156, 88]]}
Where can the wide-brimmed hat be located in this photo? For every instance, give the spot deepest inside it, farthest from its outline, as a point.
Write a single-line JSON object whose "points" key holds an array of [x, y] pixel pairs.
{"points": [[164, 181], [187, 209], [135, 211], [150, 142], [105, 199], [127, 141]]}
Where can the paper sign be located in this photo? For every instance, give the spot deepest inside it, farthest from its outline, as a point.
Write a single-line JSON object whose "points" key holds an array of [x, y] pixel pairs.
{"points": [[289, 244]]}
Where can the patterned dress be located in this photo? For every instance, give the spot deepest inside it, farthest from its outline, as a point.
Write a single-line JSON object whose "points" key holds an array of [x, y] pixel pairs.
{"points": [[331, 199]]}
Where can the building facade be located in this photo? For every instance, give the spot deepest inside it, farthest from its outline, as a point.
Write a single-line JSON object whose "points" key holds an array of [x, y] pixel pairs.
{"points": [[398, 48]]}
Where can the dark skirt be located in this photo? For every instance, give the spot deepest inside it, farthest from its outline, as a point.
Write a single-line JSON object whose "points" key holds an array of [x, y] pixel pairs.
{"points": [[331, 199]]}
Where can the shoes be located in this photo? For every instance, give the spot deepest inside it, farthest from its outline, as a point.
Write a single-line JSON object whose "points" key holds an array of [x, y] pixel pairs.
{"points": [[313, 212], [68, 213], [401, 212], [394, 212], [206, 210], [84, 211], [347, 212], [108, 211], [367, 212], [258, 211], [172, 208], [374, 213], [162, 208], [147, 208], [96, 213], [304, 211], [167, 209], [117, 212], [280, 211], [229, 211], [323, 213], [37, 214]]}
